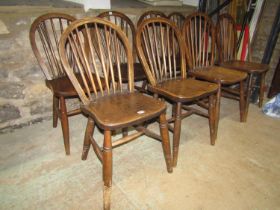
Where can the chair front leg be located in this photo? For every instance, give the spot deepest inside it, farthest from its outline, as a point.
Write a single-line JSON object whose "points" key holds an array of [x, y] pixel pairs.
{"points": [[262, 86], [55, 110], [212, 119], [107, 169], [88, 134], [218, 106], [177, 132], [64, 124], [248, 94], [165, 142], [242, 104]]}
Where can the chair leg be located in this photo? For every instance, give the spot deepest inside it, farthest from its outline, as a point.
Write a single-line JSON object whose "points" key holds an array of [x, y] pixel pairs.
{"points": [[242, 104], [55, 111], [165, 142], [262, 85], [64, 124], [125, 132], [176, 133], [88, 134], [248, 94], [212, 116], [107, 169], [218, 106]]}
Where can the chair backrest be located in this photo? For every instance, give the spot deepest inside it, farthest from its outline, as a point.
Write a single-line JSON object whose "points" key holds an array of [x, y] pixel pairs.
{"points": [[226, 37], [44, 36], [124, 23], [159, 45], [178, 18], [199, 38], [150, 14], [97, 46]]}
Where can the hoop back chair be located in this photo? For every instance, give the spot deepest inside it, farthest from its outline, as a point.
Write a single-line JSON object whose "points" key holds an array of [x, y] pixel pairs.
{"points": [[226, 42], [116, 106], [199, 38], [178, 18], [158, 43], [128, 28], [150, 14], [44, 35]]}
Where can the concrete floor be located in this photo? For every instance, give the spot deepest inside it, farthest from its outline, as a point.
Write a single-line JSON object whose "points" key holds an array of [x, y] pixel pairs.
{"points": [[241, 172]]}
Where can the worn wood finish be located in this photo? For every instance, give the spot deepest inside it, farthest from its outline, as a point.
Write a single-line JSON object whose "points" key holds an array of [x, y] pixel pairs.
{"points": [[44, 36], [178, 18], [128, 28], [227, 42], [199, 39], [97, 45], [160, 49]]}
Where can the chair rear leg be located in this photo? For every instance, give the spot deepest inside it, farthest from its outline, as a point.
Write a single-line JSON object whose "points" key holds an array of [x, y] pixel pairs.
{"points": [[212, 119], [107, 169], [165, 142], [176, 133], [64, 124], [248, 94], [55, 110], [88, 135], [242, 104], [262, 85], [218, 107]]}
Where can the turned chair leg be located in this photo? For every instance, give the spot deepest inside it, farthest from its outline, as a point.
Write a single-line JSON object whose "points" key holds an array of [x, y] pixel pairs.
{"points": [[248, 94], [88, 135], [165, 142], [242, 104], [64, 124], [55, 111], [262, 85], [125, 132], [176, 133], [107, 169], [218, 105], [212, 119]]}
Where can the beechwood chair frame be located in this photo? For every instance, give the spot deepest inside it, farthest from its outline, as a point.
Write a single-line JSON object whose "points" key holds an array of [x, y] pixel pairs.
{"points": [[200, 41], [97, 41], [227, 48], [158, 43], [49, 28]]}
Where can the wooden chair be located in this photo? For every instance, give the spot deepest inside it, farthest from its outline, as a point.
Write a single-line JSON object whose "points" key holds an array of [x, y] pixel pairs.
{"points": [[178, 18], [117, 106], [44, 36], [226, 42], [128, 28], [199, 38], [150, 14], [158, 41]]}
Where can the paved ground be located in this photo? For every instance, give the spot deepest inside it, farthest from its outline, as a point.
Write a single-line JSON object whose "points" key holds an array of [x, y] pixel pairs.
{"points": [[240, 172]]}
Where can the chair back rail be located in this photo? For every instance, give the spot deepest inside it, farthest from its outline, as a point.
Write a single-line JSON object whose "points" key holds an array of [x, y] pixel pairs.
{"points": [[159, 45], [44, 35], [199, 37], [97, 46], [178, 18], [150, 14]]}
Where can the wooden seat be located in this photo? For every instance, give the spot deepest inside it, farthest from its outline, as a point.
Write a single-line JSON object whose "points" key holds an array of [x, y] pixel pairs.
{"points": [[44, 36], [159, 42], [128, 28], [199, 38], [226, 42], [116, 106]]}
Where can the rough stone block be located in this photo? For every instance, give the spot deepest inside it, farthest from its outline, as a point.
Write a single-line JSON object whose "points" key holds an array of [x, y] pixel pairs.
{"points": [[11, 90], [8, 112]]}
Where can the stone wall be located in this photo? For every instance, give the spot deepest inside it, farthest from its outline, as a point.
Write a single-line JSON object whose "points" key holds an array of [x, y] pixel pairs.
{"points": [[262, 34], [24, 97]]}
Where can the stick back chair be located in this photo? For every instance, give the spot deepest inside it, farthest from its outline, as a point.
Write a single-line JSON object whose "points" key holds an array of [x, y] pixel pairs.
{"points": [[199, 39], [128, 28], [226, 42], [178, 18], [116, 106], [150, 14], [158, 42], [44, 35]]}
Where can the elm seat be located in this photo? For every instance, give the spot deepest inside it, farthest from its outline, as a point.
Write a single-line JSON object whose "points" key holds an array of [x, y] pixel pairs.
{"points": [[227, 47]]}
